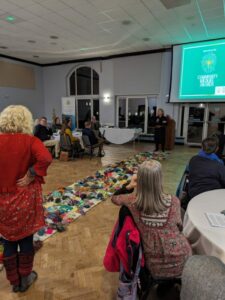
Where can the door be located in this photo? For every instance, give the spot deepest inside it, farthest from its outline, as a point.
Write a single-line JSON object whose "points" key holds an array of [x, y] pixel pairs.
{"points": [[196, 124], [95, 109], [216, 118], [122, 112], [83, 112]]}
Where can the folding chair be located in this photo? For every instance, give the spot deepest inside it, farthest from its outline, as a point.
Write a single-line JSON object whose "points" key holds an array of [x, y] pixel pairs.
{"points": [[87, 145], [65, 144]]}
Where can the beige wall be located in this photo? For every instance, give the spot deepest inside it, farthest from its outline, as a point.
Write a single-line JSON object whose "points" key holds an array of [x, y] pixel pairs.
{"points": [[16, 76]]}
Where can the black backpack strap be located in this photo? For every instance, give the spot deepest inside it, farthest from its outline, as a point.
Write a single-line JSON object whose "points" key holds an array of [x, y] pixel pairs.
{"points": [[123, 213]]}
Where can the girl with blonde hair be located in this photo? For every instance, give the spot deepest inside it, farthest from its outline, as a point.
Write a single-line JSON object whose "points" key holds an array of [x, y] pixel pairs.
{"points": [[23, 162], [157, 216]]}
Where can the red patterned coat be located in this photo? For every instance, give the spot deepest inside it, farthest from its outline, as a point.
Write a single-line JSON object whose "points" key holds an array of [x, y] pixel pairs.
{"points": [[21, 210]]}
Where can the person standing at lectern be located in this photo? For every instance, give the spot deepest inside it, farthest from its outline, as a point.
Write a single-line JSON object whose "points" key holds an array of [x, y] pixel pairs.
{"points": [[160, 130]]}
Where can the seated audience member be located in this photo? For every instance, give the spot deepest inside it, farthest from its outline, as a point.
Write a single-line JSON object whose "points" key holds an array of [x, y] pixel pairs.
{"points": [[44, 133], [75, 142], [157, 216], [92, 138], [221, 144], [56, 126], [94, 124], [206, 170]]}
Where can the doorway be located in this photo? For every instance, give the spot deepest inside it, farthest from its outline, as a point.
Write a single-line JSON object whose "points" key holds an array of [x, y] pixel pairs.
{"points": [[201, 120], [86, 108]]}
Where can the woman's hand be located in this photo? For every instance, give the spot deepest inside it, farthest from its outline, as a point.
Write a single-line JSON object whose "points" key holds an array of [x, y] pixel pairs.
{"points": [[133, 183], [26, 180]]}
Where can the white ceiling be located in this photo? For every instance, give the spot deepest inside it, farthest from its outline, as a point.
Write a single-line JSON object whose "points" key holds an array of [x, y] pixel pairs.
{"points": [[93, 28]]}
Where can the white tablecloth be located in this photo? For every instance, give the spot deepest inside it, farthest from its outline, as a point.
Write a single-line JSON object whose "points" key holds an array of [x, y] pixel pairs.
{"points": [[120, 135], [204, 238]]}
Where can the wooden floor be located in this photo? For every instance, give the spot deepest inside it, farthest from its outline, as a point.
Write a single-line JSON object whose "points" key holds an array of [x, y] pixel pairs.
{"points": [[70, 263]]}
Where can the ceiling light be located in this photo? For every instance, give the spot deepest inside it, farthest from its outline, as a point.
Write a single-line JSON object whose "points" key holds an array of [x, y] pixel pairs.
{"points": [[31, 41], [54, 37], [126, 22], [146, 39], [3, 47], [10, 18], [171, 4]]}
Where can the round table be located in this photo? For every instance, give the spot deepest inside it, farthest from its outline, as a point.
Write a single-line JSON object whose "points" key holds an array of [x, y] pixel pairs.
{"points": [[120, 135], [204, 238]]}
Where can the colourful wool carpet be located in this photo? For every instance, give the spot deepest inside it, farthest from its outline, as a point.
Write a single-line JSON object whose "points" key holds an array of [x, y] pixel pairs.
{"points": [[65, 205]]}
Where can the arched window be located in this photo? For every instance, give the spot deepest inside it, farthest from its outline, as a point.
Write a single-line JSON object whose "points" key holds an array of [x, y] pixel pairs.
{"points": [[84, 81]]}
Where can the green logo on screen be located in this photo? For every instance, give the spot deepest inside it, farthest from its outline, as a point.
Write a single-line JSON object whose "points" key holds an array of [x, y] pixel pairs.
{"points": [[209, 63]]}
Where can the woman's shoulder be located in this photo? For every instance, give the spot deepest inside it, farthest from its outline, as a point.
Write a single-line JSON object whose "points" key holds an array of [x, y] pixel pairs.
{"points": [[171, 201], [175, 203], [174, 199]]}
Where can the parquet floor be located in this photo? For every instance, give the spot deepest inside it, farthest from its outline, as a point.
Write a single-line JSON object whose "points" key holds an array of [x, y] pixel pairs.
{"points": [[70, 263]]}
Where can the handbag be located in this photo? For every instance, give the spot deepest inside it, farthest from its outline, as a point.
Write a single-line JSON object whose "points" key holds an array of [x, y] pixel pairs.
{"points": [[64, 156]]}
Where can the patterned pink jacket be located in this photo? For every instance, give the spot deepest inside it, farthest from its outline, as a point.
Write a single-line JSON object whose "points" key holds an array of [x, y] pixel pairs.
{"points": [[165, 247]]}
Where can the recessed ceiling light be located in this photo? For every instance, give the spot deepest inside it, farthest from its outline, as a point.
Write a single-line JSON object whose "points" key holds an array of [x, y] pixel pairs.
{"points": [[3, 47], [10, 18], [146, 39], [35, 56], [31, 41], [126, 22], [54, 37]]}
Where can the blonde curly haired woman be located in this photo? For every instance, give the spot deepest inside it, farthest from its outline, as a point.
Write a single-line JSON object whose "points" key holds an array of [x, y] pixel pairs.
{"points": [[23, 162]]}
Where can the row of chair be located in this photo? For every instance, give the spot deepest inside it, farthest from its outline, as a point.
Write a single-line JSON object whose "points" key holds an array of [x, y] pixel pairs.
{"points": [[66, 145]]}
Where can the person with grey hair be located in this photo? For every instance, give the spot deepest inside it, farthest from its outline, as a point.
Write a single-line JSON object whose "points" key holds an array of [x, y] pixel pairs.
{"points": [[157, 216], [206, 170]]}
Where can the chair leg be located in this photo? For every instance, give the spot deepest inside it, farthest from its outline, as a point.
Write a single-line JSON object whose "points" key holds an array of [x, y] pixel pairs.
{"points": [[91, 153]]}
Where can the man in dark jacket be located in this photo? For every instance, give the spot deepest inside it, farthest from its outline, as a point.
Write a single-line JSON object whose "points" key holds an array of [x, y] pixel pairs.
{"points": [[94, 141], [44, 133], [206, 170], [41, 130]]}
